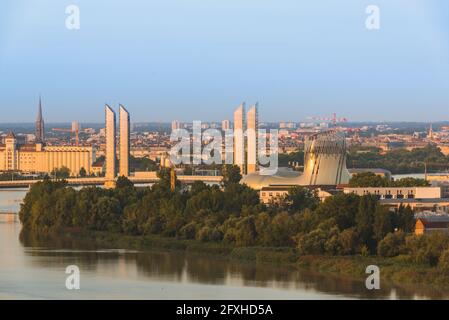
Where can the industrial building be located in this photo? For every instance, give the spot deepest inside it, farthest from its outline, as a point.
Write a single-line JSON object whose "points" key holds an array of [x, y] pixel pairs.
{"points": [[324, 165], [38, 157]]}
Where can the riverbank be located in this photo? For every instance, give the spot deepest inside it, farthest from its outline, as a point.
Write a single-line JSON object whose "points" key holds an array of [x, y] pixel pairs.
{"points": [[396, 270]]}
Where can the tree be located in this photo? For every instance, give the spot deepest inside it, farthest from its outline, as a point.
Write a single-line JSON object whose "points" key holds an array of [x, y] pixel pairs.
{"points": [[400, 160], [392, 245], [82, 172], [405, 219], [367, 179], [383, 222], [342, 207], [106, 215], [282, 230], [231, 174], [61, 173], [443, 261], [296, 156], [246, 232], [409, 182], [364, 220], [123, 182], [312, 242], [427, 248], [300, 198], [348, 241], [141, 164]]}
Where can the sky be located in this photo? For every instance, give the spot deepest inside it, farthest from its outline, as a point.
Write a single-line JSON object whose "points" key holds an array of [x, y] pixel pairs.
{"points": [[199, 59]]}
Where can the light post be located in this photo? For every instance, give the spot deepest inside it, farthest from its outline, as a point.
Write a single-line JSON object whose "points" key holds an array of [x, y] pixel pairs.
{"points": [[425, 168]]}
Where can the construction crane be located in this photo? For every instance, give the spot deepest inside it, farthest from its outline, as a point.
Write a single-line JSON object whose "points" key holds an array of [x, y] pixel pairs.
{"points": [[72, 131]]}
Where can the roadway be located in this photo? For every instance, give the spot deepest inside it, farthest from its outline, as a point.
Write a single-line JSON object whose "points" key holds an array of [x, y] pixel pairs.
{"points": [[101, 180]]}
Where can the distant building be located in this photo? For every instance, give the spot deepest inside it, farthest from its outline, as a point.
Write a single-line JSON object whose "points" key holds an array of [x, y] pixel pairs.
{"points": [[39, 158], [39, 133], [252, 133], [76, 126], [225, 125], [429, 204], [273, 194], [175, 125], [430, 134], [397, 192], [438, 177], [165, 160], [18, 156], [98, 168], [324, 165], [239, 138], [276, 194], [124, 149], [429, 225], [444, 148], [110, 147]]}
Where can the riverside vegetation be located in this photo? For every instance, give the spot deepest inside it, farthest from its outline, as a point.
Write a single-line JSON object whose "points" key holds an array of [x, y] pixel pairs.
{"points": [[343, 234]]}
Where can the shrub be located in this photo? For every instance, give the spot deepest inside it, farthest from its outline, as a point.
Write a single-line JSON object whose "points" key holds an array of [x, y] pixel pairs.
{"points": [[348, 241], [188, 231], [204, 234], [427, 248], [364, 251], [392, 245], [312, 242], [443, 261]]}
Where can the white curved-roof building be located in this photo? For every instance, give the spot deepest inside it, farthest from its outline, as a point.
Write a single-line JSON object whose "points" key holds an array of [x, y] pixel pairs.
{"points": [[324, 164]]}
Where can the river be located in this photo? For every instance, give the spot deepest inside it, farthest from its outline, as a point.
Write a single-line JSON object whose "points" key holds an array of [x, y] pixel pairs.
{"points": [[31, 270]]}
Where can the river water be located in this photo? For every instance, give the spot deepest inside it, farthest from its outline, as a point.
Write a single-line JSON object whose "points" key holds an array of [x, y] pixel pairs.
{"points": [[36, 270]]}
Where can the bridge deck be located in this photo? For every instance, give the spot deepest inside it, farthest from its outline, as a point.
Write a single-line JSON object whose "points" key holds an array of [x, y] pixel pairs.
{"points": [[101, 181]]}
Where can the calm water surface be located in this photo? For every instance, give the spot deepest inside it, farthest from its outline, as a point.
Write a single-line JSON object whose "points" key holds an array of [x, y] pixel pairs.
{"points": [[36, 270]]}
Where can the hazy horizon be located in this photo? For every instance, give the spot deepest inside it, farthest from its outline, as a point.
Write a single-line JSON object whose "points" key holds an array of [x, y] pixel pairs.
{"points": [[442, 122]]}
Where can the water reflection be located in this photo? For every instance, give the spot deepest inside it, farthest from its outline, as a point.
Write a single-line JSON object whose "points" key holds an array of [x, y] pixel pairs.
{"points": [[183, 268]]}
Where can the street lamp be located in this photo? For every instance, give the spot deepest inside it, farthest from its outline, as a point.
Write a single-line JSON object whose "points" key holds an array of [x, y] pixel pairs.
{"points": [[425, 168]]}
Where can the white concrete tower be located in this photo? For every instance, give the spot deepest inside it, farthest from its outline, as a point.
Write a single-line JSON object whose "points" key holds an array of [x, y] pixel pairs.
{"points": [[110, 147], [252, 133], [124, 148], [239, 138]]}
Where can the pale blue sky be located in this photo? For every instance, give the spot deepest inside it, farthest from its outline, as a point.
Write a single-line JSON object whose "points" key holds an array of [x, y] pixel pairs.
{"points": [[198, 59]]}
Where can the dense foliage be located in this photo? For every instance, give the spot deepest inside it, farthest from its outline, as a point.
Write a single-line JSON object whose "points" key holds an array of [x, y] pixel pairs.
{"points": [[142, 164], [344, 224], [369, 179], [284, 159], [399, 160]]}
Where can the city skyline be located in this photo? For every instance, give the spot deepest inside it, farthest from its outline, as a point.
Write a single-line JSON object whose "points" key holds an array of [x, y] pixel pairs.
{"points": [[329, 118], [189, 62]]}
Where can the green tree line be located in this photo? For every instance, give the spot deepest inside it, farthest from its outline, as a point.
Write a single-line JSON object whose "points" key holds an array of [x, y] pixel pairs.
{"points": [[399, 160], [370, 179], [344, 224]]}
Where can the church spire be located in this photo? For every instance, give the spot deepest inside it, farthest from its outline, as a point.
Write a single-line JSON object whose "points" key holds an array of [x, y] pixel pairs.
{"points": [[39, 123]]}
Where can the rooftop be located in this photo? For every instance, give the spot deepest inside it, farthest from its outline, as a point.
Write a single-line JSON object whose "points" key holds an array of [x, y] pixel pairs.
{"points": [[434, 224]]}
